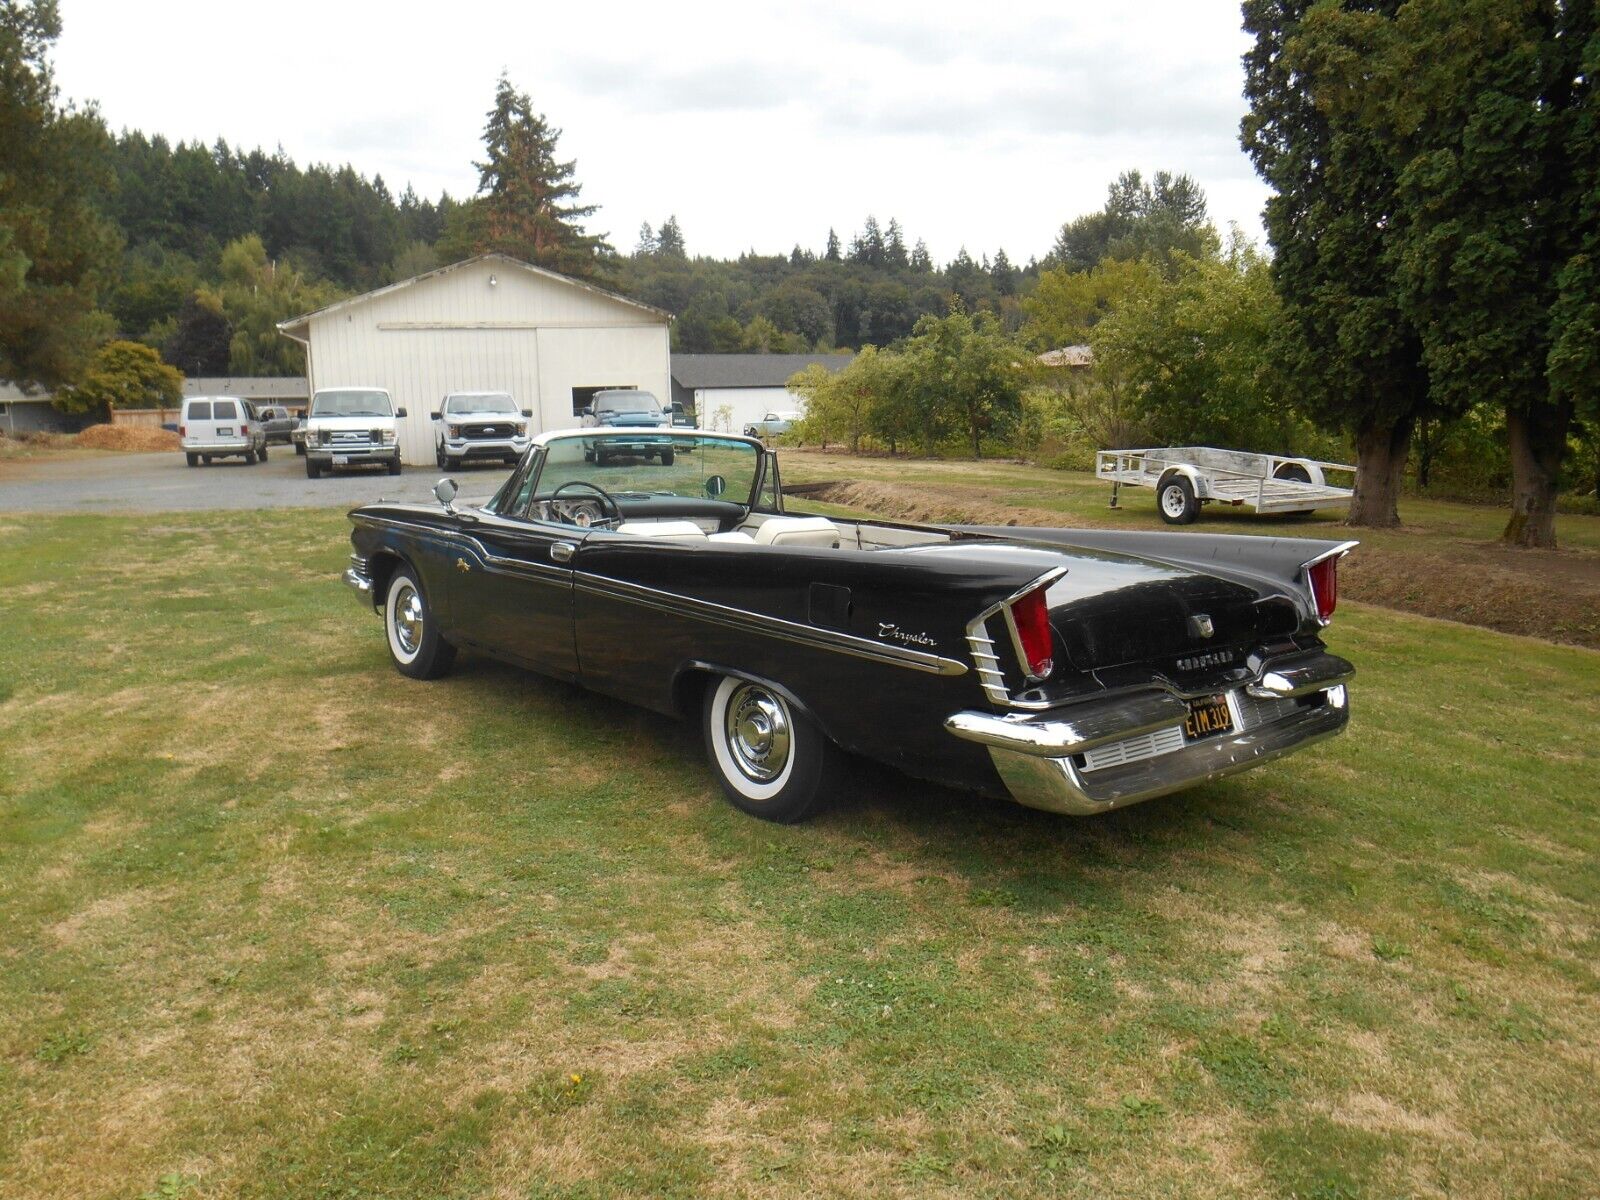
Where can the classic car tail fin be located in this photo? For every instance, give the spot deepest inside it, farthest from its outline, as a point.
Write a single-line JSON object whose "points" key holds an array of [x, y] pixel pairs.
{"points": [[1030, 615]]}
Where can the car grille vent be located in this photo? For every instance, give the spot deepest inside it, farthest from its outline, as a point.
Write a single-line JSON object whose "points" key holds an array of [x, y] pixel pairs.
{"points": [[1254, 712], [1134, 749], [354, 437]]}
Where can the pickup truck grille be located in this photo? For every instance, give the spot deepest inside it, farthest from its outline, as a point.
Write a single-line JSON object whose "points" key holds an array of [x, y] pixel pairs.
{"points": [[500, 431]]}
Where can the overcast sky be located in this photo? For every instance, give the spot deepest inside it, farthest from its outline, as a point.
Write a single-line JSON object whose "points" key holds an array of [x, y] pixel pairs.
{"points": [[758, 124]]}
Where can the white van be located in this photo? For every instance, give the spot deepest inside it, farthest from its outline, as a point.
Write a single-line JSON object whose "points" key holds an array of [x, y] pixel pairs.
{"points": [[352, 426], [219, 427]]}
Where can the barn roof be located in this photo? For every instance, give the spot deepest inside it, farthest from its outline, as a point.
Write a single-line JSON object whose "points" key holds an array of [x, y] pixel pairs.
{"points": [[251, 387], [298, 327], [747, 370]]}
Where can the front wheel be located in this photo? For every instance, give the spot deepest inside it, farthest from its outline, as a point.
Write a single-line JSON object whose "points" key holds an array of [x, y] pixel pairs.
{"points": [[313, 471], [1177, 502], [771, 760], [414, 641], [300, 448], [394, 465], [667, 457]]}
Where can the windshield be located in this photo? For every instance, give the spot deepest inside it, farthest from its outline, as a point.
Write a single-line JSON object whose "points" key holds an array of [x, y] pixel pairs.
{"points": [[694, 468], [351, 404], [480, 402], [626, 402]]}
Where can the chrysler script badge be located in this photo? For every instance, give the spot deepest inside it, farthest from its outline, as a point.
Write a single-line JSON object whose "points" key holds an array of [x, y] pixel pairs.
{"points": [[1200, 625], [893, 633]]}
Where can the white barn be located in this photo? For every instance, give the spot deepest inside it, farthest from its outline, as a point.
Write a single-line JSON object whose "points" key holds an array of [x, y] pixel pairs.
{"points": [[491, 323], [730, 391]]}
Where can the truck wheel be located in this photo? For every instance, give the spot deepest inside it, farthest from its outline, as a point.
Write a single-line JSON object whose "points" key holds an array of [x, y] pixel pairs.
{"points": [[1176, 501], [194, 459], [770, 759], [300, 448], [667, 458], [261, 454], [394, 465], [414, 641], [312, 469]]}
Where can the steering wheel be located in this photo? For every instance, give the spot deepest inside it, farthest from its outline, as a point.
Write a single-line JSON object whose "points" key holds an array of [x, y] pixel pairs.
{"points": [[608, 509]]}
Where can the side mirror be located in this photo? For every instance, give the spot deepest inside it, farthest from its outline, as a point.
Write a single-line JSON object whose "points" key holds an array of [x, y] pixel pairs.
{"points": [[527, 412], [399, 412], [445, 491], [588, 410], [437, 416], [715, 486]]}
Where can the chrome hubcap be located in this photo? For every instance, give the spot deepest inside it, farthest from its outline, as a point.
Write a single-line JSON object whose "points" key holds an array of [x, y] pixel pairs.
{"points": [[757, 731], [408, 619]]}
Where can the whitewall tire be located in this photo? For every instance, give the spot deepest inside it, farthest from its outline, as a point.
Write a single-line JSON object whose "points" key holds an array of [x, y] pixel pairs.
{"points": [[411, 631], [770, 758]]}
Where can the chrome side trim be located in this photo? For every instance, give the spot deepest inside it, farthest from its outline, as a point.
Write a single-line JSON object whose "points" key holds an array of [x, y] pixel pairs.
{"points": [[991, 676], [759, 623], [491, 561]]}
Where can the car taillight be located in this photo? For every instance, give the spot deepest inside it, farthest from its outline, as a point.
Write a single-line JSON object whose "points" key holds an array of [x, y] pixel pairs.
{"points": [[244, 429], [1031, 616], [183, 431], [1324, 577]]}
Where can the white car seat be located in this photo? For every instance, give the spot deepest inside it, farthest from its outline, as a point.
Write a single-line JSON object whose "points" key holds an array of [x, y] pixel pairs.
{"points": [[736, 535], [798, 531], [662, 529]]}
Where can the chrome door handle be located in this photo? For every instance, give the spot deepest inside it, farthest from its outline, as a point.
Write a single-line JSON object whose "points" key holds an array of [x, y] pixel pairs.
{"points": [[563, 551]]}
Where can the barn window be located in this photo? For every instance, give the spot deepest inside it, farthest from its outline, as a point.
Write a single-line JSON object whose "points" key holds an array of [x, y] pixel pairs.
{"points": [[582, 397]]}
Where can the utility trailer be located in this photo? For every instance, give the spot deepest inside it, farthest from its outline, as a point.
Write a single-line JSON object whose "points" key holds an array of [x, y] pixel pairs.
{"points": [[1185, 477]]}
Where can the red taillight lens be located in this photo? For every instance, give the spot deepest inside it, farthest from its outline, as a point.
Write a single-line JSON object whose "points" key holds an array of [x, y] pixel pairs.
{"points": [[1032, 618], [1324, 578], [183, 431], [244, 429]]}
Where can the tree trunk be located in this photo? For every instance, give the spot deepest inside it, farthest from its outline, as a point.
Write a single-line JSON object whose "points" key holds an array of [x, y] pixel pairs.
{"points": [[1380, 467], [1538, 439], [977, 443]]}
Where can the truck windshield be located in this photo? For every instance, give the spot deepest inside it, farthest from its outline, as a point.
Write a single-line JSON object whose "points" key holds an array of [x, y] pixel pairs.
{"points": [[627, 402], [351, 404], [481, 402]]}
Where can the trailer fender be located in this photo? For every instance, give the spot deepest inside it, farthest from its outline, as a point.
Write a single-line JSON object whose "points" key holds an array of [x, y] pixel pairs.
{"points": [[1312, 470], [1197, 480]]}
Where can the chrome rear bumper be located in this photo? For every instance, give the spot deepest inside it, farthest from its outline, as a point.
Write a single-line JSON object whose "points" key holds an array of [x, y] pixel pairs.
{"points": [[1043, 762]]}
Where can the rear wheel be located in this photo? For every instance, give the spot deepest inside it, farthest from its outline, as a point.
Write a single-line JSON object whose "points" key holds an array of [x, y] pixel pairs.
{"points": [[194, 459], [771, 760], [312, 469], [1177, 502], [667, 457], [261, 454], [414, 641]]}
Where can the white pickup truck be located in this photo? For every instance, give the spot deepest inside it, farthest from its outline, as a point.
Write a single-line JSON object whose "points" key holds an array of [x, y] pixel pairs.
{"points": [[350, 427]]}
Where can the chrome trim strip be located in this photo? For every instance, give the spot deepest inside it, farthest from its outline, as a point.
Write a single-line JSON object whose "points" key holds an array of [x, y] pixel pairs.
{"points": [[491, 561], [1301, 680], [778, 627]]}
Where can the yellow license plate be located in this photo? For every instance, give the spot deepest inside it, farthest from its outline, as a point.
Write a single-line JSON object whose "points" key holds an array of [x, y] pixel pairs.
{"points": [[1208, 718]]}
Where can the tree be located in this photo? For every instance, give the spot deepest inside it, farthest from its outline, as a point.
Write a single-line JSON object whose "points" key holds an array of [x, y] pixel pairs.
{"points": [[647, 240], [199, 344], [669, 239], [832, 253], [921, 260], [57, 251], [528, 196], [1066, 305], [122, 375], [973, 369], [1198, 353], [257, 293], [1347, 340], [1491, 141], [1158, 218]]}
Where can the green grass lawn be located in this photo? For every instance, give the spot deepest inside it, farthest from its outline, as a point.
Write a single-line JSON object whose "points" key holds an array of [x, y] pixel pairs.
{"points": [[277, 921]]}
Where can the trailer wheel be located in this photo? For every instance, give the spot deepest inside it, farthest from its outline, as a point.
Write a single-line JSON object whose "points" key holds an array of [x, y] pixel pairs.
{"points": [[1176, 502]]}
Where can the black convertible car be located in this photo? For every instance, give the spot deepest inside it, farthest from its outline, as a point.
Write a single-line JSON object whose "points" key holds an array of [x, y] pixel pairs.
{"points": [[1076, 670]]}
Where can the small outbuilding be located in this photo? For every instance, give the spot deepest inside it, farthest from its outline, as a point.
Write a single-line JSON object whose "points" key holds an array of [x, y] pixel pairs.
{"points": [[491, 323], [732, 391]]}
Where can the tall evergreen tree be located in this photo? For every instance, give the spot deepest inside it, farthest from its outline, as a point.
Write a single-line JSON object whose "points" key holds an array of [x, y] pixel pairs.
{"points": [[921, 260], [528, 196], [56, 249], [1354, 355], [832, 253], [669, 239], [894, 245]]}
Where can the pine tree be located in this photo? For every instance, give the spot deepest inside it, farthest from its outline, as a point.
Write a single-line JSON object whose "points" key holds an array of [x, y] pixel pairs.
{"points": [[1003, 274], [528, 207], [832, 253], [647, 240], [669, 239], [894, 245], [921, 260]]}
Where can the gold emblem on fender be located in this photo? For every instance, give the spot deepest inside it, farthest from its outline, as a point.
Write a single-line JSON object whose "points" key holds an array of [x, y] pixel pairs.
{"points": [[463, 565]]}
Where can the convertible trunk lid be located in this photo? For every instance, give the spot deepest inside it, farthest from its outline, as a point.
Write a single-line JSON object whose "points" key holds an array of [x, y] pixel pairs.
{"points": [[1110, 610]]}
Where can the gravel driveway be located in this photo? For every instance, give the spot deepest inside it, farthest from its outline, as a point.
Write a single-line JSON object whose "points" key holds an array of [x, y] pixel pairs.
{"points": [[164, 483]]}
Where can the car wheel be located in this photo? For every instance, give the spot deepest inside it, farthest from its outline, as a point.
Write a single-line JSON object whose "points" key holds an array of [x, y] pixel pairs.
{"points": [[1177, 502], [770, 759], [438, 458], [588, 456], [194, 459], [414, 641], [300, 448], [668, 457], [394, 465], [602, 460], [312, 469], [261, 454], [751, 432]]}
